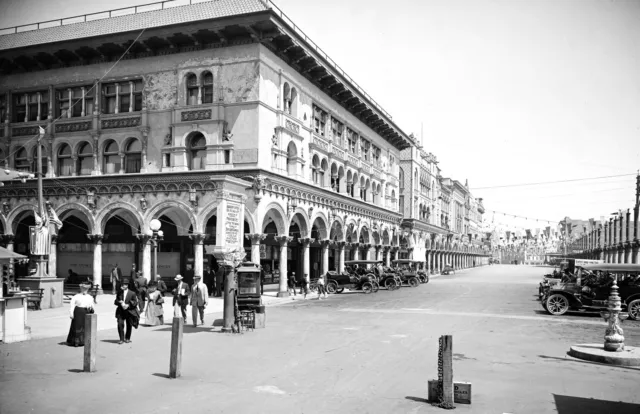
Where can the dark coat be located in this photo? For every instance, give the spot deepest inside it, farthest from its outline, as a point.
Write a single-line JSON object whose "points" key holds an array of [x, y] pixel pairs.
{"points": [[130, 299], [182, 300], [162, 287]]}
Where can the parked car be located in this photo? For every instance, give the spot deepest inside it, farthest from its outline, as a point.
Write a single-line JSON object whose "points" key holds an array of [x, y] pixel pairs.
{"points": [[566, 268], [590, 289], [370, 268], [407, 270], [412, 269], [337, 282]]}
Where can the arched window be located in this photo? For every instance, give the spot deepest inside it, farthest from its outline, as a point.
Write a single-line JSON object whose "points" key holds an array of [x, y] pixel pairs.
{"points": [[111, 158], [315, 169], [45, 164], [292, 159], [401, 178], [286, 97], [292, 102], [133, 157], [65, 162], [207, 87], [324, 166], [197, 151], [85, 159], [192, 89]]}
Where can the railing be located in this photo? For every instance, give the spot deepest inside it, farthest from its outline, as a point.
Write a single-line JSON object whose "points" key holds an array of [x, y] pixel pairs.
{"points": [[338, 152], [160, 5], [321, 143], [353, 160]]}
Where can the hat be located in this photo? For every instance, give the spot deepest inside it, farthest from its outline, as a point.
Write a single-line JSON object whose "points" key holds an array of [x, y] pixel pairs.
{"points": [[85, 285], [125, 282], [197, 277], [178, 277]]}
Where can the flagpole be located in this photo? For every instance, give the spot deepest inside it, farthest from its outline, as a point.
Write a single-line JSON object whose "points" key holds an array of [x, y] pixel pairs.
{"points": [[41, 261]]}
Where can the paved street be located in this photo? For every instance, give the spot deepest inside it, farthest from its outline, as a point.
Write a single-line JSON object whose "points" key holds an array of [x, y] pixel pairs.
{"points": [[352, 353]]}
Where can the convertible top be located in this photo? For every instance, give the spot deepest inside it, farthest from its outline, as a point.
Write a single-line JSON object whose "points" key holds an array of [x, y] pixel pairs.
{"points": [[350, 262], [612, 267]]}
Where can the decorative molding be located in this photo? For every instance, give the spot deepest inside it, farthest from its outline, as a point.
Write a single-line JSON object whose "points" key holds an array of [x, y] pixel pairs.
{"points": [[292, 126], [187, 116], [73, 127], [21, 131], [128, 122]]}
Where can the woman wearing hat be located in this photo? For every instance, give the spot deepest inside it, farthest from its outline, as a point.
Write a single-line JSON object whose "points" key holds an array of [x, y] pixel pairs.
{"points": [[154, 314], [81, 304]]}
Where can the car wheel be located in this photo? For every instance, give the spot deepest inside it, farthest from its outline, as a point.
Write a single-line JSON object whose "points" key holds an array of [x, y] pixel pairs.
{"points": [[376, 286], [634, 309], [332, 288], [367, 287], [427, 279], [557, 304], [389, 284], [414, 282], [340, 290]]}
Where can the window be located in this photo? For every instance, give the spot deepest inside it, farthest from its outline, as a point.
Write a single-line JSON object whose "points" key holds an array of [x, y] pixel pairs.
{"points": [[364, 147], [227, 157], [337, 128], [85, 159], [33, 106], [3, 107], [21, 161], [375, 154], [65, 162], [352, 140], [198, 152], [122, 97], [319, 120], [111, 158], [192, 89], [133, 157], [207, 87], [74, 102], [45, 163], [289, 98]]}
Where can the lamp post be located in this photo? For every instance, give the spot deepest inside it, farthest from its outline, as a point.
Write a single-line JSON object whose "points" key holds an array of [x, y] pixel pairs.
{"points": [[156, 236]]}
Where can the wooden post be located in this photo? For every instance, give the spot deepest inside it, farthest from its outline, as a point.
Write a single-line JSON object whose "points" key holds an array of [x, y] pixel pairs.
{"points": [[175, 363], [90, 342], [447, 370]]}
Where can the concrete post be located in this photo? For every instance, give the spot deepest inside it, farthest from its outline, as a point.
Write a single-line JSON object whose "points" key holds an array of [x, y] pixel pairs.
{"points": [[175, 361], [90, 342]]}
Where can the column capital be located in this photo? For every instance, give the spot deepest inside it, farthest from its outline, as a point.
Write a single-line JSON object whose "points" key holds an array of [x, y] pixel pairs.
{"points": [[283, 240], [255, 238], [144, 238], [198, 238], [95, 238], [341, 244], [325, 243], [7, 238], [354, 245], [306, 241]]}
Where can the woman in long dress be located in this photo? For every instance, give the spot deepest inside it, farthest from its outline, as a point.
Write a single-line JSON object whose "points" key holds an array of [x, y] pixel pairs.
{"points": [[154, 314], [81, 304]]}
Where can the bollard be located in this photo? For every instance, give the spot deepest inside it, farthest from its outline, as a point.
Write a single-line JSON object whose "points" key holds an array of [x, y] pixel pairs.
{"points": [[447, 370], [90, 342], [175, 363]]}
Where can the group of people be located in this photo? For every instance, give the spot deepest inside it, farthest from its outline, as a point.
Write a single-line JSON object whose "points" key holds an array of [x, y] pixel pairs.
{"points": [[293, 283]]}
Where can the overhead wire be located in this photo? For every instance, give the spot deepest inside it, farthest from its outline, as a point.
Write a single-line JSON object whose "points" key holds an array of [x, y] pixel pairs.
{"points": [[552, 182]]}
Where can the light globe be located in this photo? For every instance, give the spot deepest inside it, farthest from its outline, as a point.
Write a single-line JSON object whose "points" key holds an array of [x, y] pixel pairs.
{"points": [[155, 225], [161, 233], [149, 233]]}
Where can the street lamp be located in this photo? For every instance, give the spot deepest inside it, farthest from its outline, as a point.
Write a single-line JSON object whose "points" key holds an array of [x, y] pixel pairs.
{"points": [[155, 235]]}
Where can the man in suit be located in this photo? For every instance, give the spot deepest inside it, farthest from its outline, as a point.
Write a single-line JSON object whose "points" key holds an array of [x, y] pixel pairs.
{"points": [[181, 296], [199, 300], [162, 287], [209, 280], [126, 311], [141, 283], [115, 278]]}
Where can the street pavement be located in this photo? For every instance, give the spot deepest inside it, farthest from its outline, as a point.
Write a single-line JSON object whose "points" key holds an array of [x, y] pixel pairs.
{"points": [[351, 353]]}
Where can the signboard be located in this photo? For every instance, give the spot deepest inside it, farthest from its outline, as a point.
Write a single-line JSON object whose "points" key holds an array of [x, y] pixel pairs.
{"points": [[232, 225], [585, 262], [248, 283], [461, 392]]}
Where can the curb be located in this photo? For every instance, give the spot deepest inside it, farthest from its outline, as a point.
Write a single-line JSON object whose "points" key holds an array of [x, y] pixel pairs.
{"points": [[629, 357]]}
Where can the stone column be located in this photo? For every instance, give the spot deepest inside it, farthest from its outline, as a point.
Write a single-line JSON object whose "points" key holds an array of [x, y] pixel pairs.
{"points": [[96, 239], [284, 242], [356, 252], [305, 242], [145, 242], [388, 250], [325, 257], [198, 253], [255, 239], [341, 247], [53, 257]]}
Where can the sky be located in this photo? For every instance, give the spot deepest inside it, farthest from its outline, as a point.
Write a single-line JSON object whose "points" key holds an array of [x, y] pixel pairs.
{"points": [[503, 92]]}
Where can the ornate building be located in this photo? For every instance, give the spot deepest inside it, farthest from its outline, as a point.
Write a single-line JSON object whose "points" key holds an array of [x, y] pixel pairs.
{"points": [[221, 119]]}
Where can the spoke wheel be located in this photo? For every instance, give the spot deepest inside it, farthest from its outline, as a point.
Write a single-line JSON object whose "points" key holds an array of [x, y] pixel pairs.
{"points": [[390, 284], [426, 279], [367, 287], [414, 282], [634, 309], [557, 304], [340, 290], [331, 288], [376, 286]]}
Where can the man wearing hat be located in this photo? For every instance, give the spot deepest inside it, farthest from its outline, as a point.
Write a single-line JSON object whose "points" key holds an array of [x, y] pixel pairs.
{"points": [[126, 311], [181, 296], [199, 300]]}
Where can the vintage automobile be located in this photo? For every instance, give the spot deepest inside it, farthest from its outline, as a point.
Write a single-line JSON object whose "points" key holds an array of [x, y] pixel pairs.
{"points": [[408, 272], [565, 268], [369, 268], [337, 282], [590, 289]]}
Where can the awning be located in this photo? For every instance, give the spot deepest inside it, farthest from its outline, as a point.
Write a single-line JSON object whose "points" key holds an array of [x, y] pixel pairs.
{"points": [[6, 254]]}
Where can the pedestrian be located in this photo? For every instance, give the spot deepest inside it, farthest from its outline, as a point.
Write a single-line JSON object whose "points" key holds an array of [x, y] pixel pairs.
{"points": [[154, 313], [126, 311], [199, 300], [304, 287], [161, 286], [208, 279], [181, 296], [133, 273], [321, 288], [301, 284], [141, 283], [261, 281], [81, 305], [291, 282], [115, 278]]}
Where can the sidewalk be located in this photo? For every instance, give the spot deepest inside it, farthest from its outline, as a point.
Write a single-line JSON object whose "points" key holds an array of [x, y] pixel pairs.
{"points": [[51, 323]]}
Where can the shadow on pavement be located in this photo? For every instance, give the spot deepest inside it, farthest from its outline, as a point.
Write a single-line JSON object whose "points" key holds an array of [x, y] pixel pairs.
{"points": [[418, 399], [76, 370], [161, 375], [111, 341], [580, 361], [188, 329], [576, 405]]}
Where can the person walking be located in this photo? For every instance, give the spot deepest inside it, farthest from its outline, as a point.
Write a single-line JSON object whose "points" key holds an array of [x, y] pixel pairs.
{"points": [[181, 296], [161, 286], [321, 289], [291, 283], [126, 311], [81, 305], [141, 283], [154, 314], [209, 279], [115, 278], [199, 300]]}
